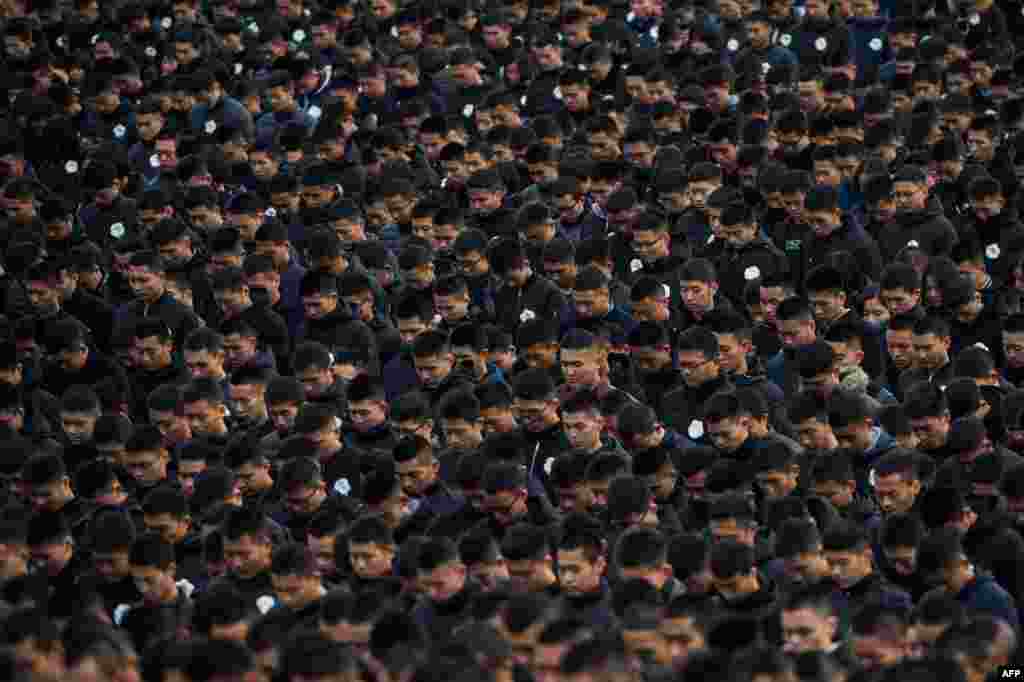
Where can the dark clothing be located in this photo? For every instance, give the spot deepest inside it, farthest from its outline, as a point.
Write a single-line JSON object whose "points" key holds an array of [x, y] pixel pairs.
{"points": [[148, 623], [684, 405], [538, 299], [178, 317], [251, 589]]}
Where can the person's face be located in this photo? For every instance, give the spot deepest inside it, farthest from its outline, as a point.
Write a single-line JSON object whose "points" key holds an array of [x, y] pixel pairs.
{"points": [[811, 95], [796, 333], [583, 429], [295, 591], [327, 439], [496, 37], [604, 146], [445, 581], [777, 483], [263, 165], [168, 526], [930, 351], [370, 560], [582, 367], [698, 296], [146, 466], [850, 566], [205, 418], [901, 347], [696, 368], [839, 493], [433, 369], [856, 436], [146, 284], [497, 420], [878, 652], [729, 434], [896, 493], [367, 414], [452, 307], [823, 223], [188, 471], [815, 435], [536, 415], [807, 630], [78, 426], [149, 125], [283, 414], [417, 475], [238, 350], [281, 99], [253, 478], [875, 311], [463, 434], [248, 401], [173, 427], [541, 355], [910, 196], [52, 496], [683, 636], [248, 556], [205, 363], [931, 432], [732, 351], [52, 557], [653, 358], [320, 304]]}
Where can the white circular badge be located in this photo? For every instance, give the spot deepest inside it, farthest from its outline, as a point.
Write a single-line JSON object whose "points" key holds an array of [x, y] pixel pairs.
{"points": [[117, 230], [636, 265], [820, 44], [765, 67], [975, 19], [150, 51], [210, 127], [166, 22], [785, 40], [299, 35], [753, 272], [992, 251], [527, 315], [315, 111], [733, 45], [342, 487], [154, 161], [270, 212], [119, 130], [696, 430], [467, 110], [265, 603], [71, 167]]}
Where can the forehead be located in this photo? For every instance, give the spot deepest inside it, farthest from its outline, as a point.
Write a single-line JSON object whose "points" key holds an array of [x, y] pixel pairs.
{"points": [[808, 617]]}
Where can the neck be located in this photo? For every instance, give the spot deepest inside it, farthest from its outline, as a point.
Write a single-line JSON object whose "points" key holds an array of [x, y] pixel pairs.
{"points": [[742, 367]]}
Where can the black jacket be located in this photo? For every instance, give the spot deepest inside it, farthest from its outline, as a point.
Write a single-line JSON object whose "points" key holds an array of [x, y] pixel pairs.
{"points": [[538, 299]]}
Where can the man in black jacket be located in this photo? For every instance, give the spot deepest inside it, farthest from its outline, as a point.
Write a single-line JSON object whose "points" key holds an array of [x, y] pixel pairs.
{"points": [[524, 295]]}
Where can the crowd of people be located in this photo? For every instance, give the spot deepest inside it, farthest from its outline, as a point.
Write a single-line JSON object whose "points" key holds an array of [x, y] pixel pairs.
{"points": [[524, 341]]}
